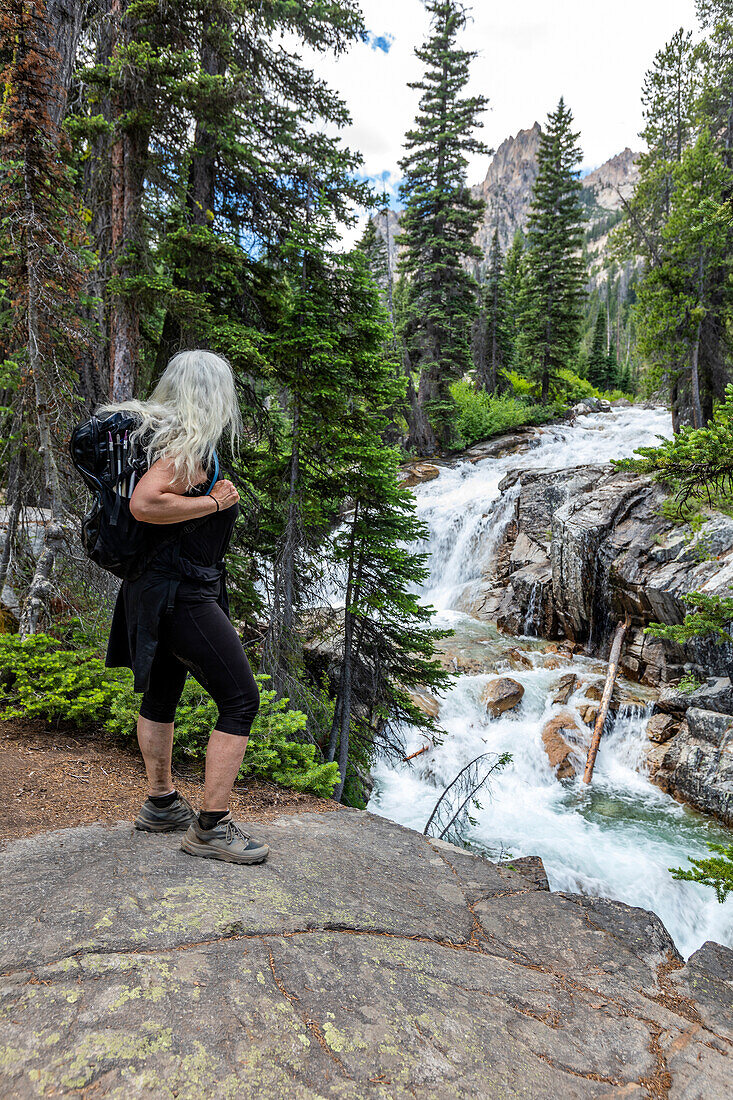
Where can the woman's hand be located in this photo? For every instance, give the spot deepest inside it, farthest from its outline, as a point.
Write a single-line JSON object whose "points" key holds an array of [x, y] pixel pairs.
{"points": [[226, 493]]}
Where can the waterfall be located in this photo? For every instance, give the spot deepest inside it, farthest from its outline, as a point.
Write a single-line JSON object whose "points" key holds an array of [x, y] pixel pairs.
{"points": [[616, 838]]}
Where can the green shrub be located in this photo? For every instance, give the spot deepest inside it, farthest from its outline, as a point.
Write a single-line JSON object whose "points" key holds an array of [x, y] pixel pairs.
{"points": [[482, 415], [572, 388], [40, 679]]}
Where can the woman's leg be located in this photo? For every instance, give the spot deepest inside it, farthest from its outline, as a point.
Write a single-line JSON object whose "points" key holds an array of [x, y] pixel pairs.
{"points": [[157, 714], [205, 641], [224, 755], [156, 744]]}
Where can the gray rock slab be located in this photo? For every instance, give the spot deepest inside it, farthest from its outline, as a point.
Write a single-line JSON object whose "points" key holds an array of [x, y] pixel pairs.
{"points": [[362, 960]]}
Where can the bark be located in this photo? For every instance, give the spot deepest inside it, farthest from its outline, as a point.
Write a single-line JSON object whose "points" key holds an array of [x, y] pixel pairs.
{"points": [[128, 164], [695, 380], [94, 373], [60, 33], [613, 661], [16, 504], [58, 39], [40, 589]]}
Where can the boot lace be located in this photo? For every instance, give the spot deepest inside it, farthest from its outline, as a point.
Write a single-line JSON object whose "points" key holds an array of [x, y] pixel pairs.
{"points": [[234, 832]]}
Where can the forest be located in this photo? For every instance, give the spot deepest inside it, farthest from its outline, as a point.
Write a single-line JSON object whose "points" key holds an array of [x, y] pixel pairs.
{"points": [[172, 175]]}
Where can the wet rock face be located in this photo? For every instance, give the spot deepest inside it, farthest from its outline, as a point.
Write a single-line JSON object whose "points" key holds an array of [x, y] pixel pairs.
{"points": [[588, 546], [362, 961], [696, 764], [501, 695]]}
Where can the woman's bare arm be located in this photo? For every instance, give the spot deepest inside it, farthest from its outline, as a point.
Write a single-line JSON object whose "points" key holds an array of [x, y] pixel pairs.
{"points": [[159, 497]]}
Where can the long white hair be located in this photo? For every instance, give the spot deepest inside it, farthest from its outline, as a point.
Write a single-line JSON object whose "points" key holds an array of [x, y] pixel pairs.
{"points": [[192, 406]]}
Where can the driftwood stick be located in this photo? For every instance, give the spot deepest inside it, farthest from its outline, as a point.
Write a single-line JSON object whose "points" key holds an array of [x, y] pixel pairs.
{"points": [[613, 660], [414, 754]]}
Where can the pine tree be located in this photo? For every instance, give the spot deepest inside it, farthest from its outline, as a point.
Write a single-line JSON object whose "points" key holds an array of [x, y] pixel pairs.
{"points": [[714, 60], [386, 643], [43, 258], [553, 290], [491, 343], [514, 273], [439, 224], [612, 367], [598, 358], [205, 137], [683, 287], [374, 247]]}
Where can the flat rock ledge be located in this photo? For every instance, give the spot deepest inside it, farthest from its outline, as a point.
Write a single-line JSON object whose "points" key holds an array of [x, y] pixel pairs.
{"points": [[361, 960]]}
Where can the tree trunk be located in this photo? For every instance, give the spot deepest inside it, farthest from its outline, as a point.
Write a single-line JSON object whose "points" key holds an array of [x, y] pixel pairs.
{"points": [[94, 372], [128, 163], [346, 665], [695, 380], [421, 438], [58, 39], [60, 33], [40, 589], [613, 661]]}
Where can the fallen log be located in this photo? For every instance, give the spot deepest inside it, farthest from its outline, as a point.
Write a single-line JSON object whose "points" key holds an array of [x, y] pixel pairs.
{"points": [[414, 754], [613, 660]]}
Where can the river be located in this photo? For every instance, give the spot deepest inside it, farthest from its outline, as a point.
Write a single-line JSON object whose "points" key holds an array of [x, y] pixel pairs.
{"points": [[616, 839]]}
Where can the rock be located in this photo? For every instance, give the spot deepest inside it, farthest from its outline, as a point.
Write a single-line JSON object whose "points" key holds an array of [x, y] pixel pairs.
{"points": [[425, 702], [513, 442], [565, 688], [501, 695], [357, 962], [532, 868], [559, 752], [611, 553], [588, 714], [661, 727], [709, 726], [419, 473], [521, 659], [527, 604], [696, 765], [594, 693], [716, 694]]}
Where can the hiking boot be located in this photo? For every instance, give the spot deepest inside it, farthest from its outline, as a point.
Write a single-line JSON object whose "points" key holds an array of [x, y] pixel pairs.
{"points": [[225, 841], [153, 819]]}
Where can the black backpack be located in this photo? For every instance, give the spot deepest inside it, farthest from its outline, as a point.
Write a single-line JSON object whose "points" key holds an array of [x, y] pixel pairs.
{"points": [[110, 465]]}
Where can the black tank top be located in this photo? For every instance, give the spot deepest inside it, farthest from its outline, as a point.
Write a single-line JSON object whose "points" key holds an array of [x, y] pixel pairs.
{"points": [[207, 544]]}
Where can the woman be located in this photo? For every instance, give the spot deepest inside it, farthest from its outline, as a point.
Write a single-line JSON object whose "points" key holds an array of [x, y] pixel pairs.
{"points": [[174, 619]]}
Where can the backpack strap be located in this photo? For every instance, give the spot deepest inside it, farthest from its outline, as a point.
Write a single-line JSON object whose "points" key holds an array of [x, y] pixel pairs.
{"points": [[215, 478]]}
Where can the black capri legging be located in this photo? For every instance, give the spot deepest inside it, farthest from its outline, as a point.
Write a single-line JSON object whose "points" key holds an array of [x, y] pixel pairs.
{"points": [[197, 637]]}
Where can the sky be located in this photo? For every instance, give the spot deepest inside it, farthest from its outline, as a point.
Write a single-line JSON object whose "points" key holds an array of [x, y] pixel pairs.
{"points": [[530, 52]]}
